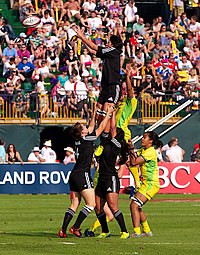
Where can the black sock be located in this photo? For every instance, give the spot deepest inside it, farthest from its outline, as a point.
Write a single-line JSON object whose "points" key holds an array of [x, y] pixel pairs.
{"points": [[68, 216], [120, 219], [102, 219], [82, 215]]}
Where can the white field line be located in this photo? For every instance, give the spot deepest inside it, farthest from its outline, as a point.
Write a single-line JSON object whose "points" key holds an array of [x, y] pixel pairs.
{"points": [[68, 243]]}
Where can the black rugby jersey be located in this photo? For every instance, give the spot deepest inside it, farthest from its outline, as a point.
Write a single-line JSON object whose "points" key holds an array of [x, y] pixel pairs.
{"points": [[107, 160], [83, 152], [111, 65]]}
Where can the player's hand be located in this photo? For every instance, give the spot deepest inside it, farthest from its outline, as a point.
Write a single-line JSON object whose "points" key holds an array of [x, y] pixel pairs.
{"points": [[128, 70]]}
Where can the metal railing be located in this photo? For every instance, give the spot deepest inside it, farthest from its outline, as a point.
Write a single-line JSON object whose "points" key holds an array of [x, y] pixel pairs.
{"points": [[36, 108]]}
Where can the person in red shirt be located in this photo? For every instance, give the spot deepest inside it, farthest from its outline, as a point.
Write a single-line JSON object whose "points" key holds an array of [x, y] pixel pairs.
{"points": [[171, 63]]}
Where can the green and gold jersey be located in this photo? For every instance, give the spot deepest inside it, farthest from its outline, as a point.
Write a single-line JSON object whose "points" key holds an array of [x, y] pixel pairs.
{"points": [[125, 111], [149, 170]]}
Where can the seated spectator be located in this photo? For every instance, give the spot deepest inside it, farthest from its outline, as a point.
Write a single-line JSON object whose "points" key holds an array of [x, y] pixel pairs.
{"points": [[15, 79], [94, 21], [114, 9], [102, 10], [165, 71], [194, 54], [26, 68], [21, 39], [48, 153], [52, 56], [10, 52], [85, 57], [72, 10], [89, 74], [88, 5], [184, 64], [72, 62], [63, 77], [8, 67], [35, 156], [195, 155], [43, 70], [49, 22], [23, 52], [26, 10], [2, 151], [139, 25], [35, 40], [62, 36], [3, 32], [12, 155], [56, 8], [69, 156]]}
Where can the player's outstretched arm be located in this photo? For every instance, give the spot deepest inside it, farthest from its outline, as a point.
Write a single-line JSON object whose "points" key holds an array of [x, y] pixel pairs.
{"points": [[89, 43], [128, 81], [104, 122]]}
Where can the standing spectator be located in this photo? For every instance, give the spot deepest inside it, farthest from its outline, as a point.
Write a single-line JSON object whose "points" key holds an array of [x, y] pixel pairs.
{"points": [[2, 151], [175, 153], [20, 105], [47, 153], [69, 156], [12, 155], [35, 156], [146, 157], [178, 7]]}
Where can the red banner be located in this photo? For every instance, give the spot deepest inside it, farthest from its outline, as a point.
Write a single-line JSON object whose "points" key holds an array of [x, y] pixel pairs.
{"points": [[174, 178]]}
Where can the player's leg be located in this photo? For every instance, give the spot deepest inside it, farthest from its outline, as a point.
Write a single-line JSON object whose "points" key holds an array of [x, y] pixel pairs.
{"points": [[112, 200], [137, 201], [75, 201], [89, 197]]}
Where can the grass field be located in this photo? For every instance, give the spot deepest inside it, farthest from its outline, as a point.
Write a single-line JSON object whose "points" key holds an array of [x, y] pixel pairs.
{"points": [[29, 226]]}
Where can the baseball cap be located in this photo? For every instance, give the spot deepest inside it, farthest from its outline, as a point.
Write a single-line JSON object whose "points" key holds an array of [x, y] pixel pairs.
{"points": [[23, 35]]}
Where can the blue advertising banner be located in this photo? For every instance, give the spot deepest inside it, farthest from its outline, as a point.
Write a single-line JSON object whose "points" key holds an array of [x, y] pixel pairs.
{"points": [[35, 178]]}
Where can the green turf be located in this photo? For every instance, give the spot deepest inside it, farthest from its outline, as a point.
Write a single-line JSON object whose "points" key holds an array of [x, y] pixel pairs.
{"points": [[29, 225]]}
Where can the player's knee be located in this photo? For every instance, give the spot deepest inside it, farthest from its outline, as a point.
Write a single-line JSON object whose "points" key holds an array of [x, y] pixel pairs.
{"points": [[89, 208], [136, 203]]}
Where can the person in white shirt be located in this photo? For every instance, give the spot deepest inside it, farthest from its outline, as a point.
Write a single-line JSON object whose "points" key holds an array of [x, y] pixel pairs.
{"points": [[48, 22], [174, 153], [47, 153], [35, 156], [194, 26], [69, 156], [130, 13], [184, 64], [89, 6], [94, 21]]}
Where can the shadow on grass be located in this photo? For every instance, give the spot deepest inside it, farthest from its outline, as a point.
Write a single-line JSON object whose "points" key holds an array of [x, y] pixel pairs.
{"points": [[31, 234]]}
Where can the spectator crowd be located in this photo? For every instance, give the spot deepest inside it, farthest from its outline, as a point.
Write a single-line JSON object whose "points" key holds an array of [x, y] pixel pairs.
{"points": [[51, 62]]}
